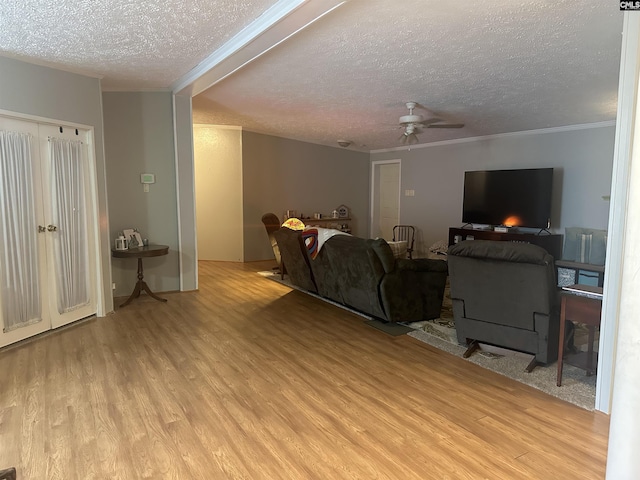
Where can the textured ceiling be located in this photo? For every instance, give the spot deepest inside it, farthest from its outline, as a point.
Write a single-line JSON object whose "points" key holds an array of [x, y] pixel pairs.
{"points": [[495, 65], [133, 45]]}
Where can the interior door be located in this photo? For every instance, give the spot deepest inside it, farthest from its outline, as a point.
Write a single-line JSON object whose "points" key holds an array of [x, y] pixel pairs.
{"points": [[48, 254], [385, 194], [66, 193], [24, 310]]}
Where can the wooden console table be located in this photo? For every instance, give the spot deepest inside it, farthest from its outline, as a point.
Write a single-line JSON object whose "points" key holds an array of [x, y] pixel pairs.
{"points": [[580, 304], [140, 253]]}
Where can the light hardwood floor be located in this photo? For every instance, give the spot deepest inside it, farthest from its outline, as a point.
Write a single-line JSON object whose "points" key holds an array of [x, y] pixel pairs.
{"points": [[247, 379]]}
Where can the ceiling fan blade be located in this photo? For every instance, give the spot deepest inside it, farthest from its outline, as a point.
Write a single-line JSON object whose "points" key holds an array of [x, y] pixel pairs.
{"points": [[430, 121], [446, 125]]}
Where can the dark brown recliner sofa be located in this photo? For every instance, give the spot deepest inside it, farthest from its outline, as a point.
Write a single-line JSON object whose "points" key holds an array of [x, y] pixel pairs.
{"points": [[505, 294], [363, 274]]}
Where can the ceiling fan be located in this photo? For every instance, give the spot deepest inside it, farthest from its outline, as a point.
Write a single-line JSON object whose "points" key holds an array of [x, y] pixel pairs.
{"points": [[412, 124]]}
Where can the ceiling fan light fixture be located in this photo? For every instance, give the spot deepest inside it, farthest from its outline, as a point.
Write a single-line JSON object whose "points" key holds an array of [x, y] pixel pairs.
{"points": [[411, 118], [407, 119], [413, 124]]}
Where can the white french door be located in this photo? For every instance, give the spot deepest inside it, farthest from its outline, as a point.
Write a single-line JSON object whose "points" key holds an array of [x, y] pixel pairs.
{"points": [[47, 229], [70, 231]]}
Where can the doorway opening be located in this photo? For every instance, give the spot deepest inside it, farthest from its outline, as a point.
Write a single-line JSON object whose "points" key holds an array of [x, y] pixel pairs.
{"points": [[385, 198]]}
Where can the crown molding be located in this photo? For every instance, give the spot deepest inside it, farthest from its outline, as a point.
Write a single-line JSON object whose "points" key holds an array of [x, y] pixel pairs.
{"points": [[566, 128], [282, 20]]}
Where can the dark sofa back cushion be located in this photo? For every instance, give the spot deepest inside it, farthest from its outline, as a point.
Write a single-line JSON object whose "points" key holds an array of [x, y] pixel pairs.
{"points": [[502, 282], [325, 276], [358, 272], [502, 251]]}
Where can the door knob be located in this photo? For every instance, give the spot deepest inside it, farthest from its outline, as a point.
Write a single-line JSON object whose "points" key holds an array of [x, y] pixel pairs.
{"points": [[41, 229], [52, 228]]}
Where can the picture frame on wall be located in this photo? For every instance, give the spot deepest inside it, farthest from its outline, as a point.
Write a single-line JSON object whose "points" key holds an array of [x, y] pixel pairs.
{"points": [[134, 239]]}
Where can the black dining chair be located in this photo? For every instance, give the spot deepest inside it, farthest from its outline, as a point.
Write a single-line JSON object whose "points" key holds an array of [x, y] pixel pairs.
{"points": [[271, 224], [405, 233]]}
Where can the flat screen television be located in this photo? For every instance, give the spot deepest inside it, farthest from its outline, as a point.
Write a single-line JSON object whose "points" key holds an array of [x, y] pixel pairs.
{"points": [[513, 198]]}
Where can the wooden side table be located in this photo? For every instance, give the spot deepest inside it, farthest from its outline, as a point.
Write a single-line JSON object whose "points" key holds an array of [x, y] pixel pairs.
{"points": [[140, 253], [580, 304]]}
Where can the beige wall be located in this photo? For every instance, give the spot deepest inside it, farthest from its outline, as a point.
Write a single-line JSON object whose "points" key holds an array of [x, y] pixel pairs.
{"points": [[280, 174], [218, 184], [241, 175]]}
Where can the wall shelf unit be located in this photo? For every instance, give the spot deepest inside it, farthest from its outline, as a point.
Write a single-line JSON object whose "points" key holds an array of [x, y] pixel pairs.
{"points": [[342, 224]]}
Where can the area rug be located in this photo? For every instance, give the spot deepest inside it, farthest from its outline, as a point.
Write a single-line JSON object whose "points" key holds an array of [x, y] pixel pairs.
{"points": [[576, 387], [440, 333], [394, 329]]}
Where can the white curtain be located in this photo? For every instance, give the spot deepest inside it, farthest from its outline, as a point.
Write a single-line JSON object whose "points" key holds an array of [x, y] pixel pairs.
{"points": [[20, 294], [71, 253]]}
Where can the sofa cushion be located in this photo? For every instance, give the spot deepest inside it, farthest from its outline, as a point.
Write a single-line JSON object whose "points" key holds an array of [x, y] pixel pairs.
{"points": [[358, 271], [325, 276], [399, 249]]}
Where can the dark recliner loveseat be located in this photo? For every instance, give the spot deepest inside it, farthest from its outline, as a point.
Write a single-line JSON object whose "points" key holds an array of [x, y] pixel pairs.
{"points": [[505, 294], [363, 274]]}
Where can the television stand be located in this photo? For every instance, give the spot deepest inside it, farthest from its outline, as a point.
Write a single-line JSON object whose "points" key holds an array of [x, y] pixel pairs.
{"points": [[552, 243]]}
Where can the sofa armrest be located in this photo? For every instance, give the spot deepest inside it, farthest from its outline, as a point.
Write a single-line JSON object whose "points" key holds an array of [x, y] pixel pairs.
{"points": [[431, 282], [414, 290], [401, 296]]}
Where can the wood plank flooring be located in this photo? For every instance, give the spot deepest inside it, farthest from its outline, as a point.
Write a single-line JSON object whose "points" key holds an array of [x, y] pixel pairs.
{"points": [[247, 379]]}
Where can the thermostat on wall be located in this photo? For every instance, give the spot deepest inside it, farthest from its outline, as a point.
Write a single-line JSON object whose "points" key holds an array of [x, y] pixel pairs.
{"points": [[147, 178]]}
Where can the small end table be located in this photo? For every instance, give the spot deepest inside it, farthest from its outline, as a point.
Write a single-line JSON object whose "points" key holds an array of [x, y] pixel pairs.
{"points": [[581, 304], [140, 253]]}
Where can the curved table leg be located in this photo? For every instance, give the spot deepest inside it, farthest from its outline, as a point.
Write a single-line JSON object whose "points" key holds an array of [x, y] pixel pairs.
{"points": [[146, 288], [140, 286]]}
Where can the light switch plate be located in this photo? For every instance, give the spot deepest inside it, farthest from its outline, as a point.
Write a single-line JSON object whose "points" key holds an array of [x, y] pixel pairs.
{"points": [[147, 178]]}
